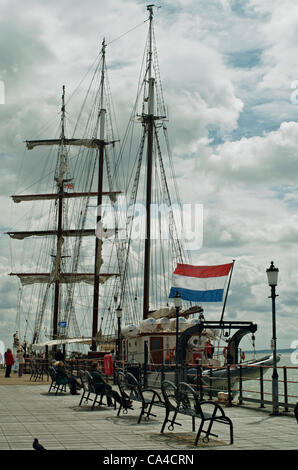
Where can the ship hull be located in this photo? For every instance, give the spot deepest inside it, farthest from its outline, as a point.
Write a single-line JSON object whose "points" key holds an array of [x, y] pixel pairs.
{"points": [[216, 380]]}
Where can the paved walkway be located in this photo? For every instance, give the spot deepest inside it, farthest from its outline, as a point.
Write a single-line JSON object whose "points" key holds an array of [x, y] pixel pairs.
{"points": [[28, 411]]}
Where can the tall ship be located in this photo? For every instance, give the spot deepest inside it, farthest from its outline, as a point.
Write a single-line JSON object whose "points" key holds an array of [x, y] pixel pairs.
{"points": [[104, 237]]}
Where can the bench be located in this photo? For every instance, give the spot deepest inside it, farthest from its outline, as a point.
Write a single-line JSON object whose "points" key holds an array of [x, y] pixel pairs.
{"points": [[37, 371], [185, 400], [89, 389], [131, 391], [57, 384]]}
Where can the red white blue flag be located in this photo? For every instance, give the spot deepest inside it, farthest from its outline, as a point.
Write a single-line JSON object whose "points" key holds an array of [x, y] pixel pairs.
{"points": [[200, 283]]}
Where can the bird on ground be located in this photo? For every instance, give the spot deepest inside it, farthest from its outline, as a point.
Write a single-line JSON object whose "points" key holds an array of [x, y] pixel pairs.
{"points": [[37, 446]]}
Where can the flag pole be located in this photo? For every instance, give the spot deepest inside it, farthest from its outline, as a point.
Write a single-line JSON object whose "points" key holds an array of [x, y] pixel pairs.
{"points": [[225, 301]]}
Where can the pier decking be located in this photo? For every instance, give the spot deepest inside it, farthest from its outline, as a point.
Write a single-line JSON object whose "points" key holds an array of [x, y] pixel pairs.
{"points": [[28, 411]]}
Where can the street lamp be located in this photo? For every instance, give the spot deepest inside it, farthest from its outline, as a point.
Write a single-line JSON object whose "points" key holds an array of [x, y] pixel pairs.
{"points": [[178, 305], [272, 274], [119, 316]]}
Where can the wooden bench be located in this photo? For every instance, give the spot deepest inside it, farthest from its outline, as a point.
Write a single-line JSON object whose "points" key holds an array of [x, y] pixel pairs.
{"points": [[185, 400], [37, 371], [89, 389], [56, 383], [131, 391]]}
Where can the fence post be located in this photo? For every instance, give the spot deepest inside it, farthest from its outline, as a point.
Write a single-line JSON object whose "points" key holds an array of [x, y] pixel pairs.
{"points": [[210, 385], [201, 383], [229, 386], [145, 365], [240, 400], [286, 389], [162, 374], [262, 388]]}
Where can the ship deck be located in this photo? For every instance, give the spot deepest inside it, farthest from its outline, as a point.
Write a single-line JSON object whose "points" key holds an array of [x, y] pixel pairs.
{"points": [[28, 411]]}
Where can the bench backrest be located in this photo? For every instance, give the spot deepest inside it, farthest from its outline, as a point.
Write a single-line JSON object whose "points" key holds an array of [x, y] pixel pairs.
{"points": [[129, 386], [84, 380], [121, 382], [183, 397], [87, 381], [188, 398], [134, 387], [52, 373], [91, 387], [169, 392]]}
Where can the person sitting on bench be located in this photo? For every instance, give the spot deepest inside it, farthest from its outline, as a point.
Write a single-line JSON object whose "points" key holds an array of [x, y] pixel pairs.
{"points": [[101, 387], [70, 379]]}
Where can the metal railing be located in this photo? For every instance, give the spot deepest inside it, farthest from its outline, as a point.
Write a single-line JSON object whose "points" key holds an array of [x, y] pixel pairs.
{"points": [[237, 391]]}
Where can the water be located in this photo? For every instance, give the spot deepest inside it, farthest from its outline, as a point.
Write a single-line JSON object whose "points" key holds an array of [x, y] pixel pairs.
{"points": [[252, 386]]}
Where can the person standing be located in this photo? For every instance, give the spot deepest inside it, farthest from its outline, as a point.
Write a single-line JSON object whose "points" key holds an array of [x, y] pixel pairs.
{"points": [[9, 362], [21, 361]]}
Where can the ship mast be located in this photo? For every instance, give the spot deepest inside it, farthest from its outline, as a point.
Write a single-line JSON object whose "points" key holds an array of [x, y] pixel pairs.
{"points": [[98, 240], [148, 120], [60, 183], [57, 277]]}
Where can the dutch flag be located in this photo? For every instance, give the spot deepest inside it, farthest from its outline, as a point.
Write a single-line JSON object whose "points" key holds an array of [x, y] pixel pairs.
{"points": [[200, 283]]}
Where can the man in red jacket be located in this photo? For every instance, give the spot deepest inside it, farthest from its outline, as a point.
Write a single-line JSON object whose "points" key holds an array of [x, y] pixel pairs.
{"points": [[9, 362]]}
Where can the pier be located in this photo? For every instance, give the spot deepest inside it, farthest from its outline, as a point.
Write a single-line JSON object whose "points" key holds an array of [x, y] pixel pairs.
{"points": [[27, 411]]}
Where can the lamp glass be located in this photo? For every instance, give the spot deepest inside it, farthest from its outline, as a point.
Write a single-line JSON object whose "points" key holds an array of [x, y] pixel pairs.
{"points": [[119, 312], [272, 275], [177, 300]]}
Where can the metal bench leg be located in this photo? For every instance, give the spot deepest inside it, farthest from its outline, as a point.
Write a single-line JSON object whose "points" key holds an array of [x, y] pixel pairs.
{"points": [[231, 431], [94, 402], [119, 409], [165, 421], [87, 398], [199, 432], [82, 398], [142, 412]]}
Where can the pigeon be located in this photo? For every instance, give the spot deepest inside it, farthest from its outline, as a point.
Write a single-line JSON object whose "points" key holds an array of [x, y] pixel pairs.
{"points": [[296, 411], [37, 446]]}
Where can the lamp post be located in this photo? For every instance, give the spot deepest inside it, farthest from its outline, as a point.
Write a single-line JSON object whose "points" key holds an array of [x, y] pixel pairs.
{"points": [[272, 274], [178, 304], [119, 316]]}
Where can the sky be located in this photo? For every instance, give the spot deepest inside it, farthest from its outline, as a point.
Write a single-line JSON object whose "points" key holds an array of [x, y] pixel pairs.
{"points": [[230, 82]]}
